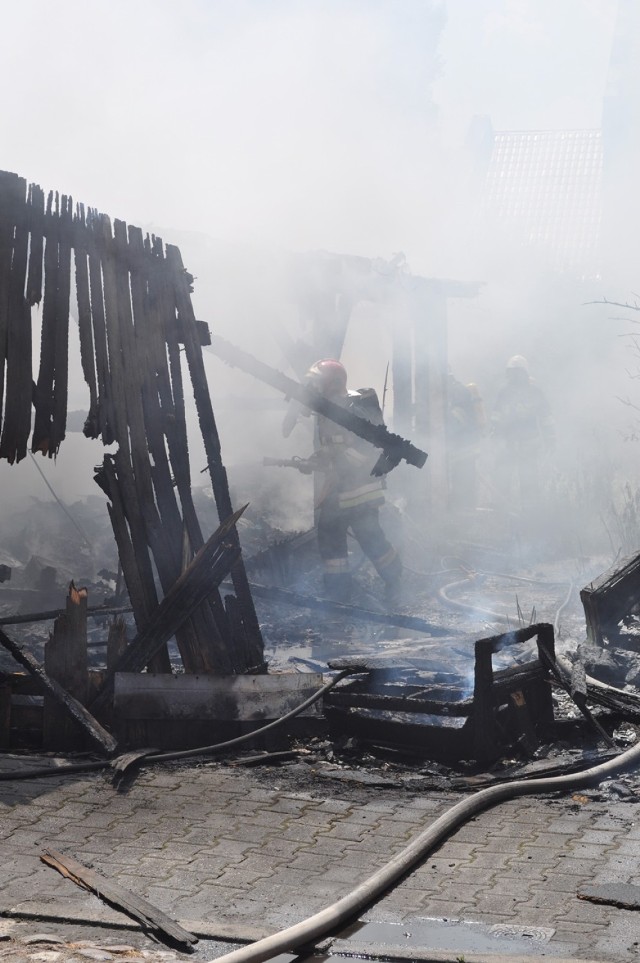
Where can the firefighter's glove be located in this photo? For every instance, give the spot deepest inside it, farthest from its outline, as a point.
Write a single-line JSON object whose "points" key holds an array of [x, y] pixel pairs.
{"points": [[386, 462]]}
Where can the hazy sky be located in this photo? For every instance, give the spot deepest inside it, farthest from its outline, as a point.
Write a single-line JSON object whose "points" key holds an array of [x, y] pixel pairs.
{"points": [[302, 123], [291, 124]]}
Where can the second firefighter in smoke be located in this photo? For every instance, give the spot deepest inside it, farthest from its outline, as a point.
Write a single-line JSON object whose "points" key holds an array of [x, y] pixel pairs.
{"points": [[348, 496]]}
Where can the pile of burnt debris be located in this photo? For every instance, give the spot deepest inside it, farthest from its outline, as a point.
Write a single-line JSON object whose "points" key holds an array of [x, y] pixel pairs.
{"points": [[178, 641], [429, 698]]}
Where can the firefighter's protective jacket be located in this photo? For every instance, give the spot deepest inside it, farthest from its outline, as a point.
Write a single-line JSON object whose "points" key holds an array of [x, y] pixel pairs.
{"points": [[346, 459]]}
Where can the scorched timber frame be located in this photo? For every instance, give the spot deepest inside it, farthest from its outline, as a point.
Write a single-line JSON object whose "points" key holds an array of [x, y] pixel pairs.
{"points": [[135, 318]]}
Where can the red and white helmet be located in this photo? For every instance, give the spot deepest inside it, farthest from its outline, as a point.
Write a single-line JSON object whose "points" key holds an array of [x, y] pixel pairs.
{"points": [[328, 376]]}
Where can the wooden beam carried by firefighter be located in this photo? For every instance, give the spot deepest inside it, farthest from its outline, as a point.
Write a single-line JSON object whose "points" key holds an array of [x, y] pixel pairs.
{"points": [[394, 448]]}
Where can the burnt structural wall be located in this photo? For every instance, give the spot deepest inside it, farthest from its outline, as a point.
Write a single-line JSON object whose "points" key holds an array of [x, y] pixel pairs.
{"points": [[136, 323]]}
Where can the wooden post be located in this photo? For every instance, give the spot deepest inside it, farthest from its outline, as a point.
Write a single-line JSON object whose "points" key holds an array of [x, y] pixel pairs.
{"points": [[116, 641], [65, 660]]}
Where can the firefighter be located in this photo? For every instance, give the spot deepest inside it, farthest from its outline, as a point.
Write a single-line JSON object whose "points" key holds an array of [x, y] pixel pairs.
{"points": [[466, 425], [523, 430], [349, 497]]}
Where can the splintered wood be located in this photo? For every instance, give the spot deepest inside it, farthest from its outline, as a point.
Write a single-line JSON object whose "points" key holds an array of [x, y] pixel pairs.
{"points": [[136, 324]]}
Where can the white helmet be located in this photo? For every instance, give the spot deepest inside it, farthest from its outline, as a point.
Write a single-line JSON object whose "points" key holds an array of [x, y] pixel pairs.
{"points": [[517, 361]]}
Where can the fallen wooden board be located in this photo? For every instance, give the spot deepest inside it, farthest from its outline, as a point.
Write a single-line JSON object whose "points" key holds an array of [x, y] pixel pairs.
{"points": [[144, 696], [135, 906], [98, 735], [624, 895]]}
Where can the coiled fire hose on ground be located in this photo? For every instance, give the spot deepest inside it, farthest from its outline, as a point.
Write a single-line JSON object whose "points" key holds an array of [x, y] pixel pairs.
{"points": [[330, 919]]}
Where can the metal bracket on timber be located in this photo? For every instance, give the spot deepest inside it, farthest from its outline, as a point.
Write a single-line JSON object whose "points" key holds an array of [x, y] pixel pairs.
{"points": [[394, 448], [210, 566], [99, 736]]}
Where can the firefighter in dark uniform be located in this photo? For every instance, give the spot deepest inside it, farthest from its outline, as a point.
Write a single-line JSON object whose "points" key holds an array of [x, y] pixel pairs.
{"points": [[523, 430], [349, 497]]}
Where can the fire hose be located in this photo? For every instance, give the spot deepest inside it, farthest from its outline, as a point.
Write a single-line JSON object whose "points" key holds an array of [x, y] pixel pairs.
{"points": [[330, 919]]}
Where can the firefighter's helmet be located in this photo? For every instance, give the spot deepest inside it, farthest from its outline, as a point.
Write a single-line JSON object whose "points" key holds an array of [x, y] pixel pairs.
{"points": [[328, 376], [517, 361]]}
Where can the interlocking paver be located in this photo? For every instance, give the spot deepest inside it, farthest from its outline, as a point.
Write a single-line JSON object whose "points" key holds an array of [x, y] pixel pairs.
{"points": [[224, 844]]}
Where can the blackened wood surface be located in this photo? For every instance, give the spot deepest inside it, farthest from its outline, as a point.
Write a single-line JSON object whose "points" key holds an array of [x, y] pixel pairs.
{"points": [[65, 660], [149, 916], [43, 393], [17, 421], [99, 736], [36, 244], [7, 219], [106, 415], [85, 329], [211, 440], [61, 341]]}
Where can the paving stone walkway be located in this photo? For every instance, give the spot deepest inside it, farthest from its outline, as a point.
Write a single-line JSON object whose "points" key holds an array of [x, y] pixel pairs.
{"points": [[234, 854]]}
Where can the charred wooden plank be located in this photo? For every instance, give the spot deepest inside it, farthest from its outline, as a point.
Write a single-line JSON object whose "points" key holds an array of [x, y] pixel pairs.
{"points": [[61, 344], [65, 660], [9, 184], [201, 645], [624, 895], [98, 735], [133, 551], [17, 422], [193, 350], [148, 915], [36, 244], [91, 426], [132, 459], [394, 447], [43, 390], [106, 414], [421, 704]]}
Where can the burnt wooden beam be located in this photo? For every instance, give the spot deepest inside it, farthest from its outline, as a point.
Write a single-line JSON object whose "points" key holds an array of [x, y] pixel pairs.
{"points": [[394, 447], [65, 660], [91, 426], [43, 389], [9, 188], [204, 642], [61, 337], [148, 915], [102, 739], [17, 422], [36, 244], [190, 335], [106, 414]]}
